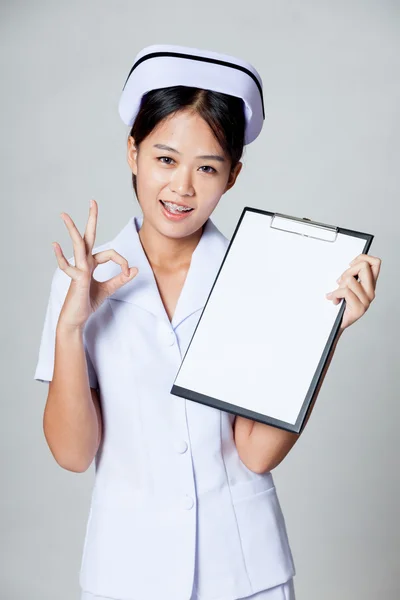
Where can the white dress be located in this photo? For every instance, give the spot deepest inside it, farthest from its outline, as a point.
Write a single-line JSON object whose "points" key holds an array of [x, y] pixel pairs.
{"points": [[175, 514], [285, 591]]}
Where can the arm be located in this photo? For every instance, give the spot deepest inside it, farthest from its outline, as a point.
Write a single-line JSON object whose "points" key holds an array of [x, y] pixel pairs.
{"points": [[72, 418], [262, 447]]}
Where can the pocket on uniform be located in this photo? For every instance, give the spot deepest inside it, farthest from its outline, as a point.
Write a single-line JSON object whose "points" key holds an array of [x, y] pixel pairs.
{"points": [[256, 485], [263, 534], [126, 547]]}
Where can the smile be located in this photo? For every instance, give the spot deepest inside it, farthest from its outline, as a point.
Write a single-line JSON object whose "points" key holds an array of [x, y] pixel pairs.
{"points": [[175, 208]]}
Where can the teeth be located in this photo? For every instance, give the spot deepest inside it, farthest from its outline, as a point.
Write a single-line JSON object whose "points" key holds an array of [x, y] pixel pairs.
{"points": [[175, 207]]}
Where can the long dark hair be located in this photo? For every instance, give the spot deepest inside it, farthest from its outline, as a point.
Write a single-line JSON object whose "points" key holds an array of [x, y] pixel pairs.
{"points": [[222, 112]]}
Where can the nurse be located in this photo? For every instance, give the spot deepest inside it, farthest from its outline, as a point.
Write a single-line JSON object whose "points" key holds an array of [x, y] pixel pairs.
{"points": [[184, 504]]}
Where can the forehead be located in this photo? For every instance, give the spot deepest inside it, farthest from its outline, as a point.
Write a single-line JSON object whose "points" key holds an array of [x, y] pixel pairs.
{"points": [[184, 128]]}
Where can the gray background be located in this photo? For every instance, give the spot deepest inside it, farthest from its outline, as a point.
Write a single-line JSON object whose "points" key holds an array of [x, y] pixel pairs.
{"points": [[329, 151]]}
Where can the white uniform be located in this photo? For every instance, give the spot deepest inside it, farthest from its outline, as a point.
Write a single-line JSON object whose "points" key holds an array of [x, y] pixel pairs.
{"points": [[174, 511]]}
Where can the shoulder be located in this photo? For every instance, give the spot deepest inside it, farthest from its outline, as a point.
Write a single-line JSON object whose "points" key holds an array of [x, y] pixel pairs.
{"points": [[216, 242]]}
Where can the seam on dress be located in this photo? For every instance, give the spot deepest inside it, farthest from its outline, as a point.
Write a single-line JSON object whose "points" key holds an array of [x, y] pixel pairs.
{"points": [[139, 398], [233, 506]]}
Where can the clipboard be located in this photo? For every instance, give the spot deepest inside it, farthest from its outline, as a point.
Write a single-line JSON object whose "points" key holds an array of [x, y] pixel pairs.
{"points": [[266, 330]]}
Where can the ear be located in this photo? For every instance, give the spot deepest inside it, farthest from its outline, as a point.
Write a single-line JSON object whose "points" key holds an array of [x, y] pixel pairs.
{"points": [[132, 155], [233, 176]]}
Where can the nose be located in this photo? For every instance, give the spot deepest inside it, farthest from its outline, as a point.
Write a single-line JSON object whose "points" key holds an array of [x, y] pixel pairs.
{"points": [[181, 183]]}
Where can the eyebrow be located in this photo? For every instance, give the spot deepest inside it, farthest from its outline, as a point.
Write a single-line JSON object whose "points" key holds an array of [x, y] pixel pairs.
{"points": [[203, 156]]}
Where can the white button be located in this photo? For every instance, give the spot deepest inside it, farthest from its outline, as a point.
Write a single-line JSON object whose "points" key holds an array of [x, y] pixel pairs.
{"points": [[166, 335], [170, 338], [181, 446], [188, 502]]}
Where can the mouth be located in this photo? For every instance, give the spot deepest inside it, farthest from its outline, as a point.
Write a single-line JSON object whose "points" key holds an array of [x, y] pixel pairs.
{"points": [[175, 209]]}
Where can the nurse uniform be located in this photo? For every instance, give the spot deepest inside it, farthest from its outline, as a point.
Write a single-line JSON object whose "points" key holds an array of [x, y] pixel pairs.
{"points": [[174, 514]]}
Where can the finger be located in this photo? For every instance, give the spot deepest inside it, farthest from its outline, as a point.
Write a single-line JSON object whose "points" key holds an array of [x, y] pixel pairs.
{"points": [[365, 277], [113, 284], [374, 262], [110, 254], [358, 290], [90, 231], [77, 241], [63, 263], [352, 284], [352, 300]]}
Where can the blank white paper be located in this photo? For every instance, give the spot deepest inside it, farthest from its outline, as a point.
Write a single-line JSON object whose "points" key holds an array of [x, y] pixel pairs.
{"points": [[267, 321]]}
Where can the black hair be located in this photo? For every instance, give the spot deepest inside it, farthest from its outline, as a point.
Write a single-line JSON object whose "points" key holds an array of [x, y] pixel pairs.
{"points": [[222, 112]]}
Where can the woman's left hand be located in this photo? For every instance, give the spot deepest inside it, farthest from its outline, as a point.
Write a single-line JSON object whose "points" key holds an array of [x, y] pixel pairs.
{"points": [[358, 294]]}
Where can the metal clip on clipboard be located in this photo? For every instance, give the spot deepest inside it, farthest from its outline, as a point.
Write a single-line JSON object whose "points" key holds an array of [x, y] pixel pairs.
{"points": [[304, 227]]}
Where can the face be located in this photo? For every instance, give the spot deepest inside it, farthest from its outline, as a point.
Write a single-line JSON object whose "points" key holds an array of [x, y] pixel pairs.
{"points": [[180, 162]]}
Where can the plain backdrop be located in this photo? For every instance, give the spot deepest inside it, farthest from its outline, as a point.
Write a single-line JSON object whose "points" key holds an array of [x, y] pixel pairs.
{"points": [[329, 151]]}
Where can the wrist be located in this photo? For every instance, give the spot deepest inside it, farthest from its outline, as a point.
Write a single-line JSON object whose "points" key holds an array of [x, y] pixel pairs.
{"points": [[64, 328]]}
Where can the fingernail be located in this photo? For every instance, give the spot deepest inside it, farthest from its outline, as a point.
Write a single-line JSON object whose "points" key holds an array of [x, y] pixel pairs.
{"points": [[328, 294]]}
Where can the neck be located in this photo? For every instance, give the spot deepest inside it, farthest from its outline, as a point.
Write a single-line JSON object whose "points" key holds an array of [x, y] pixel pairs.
{"points": [[167, 253]]}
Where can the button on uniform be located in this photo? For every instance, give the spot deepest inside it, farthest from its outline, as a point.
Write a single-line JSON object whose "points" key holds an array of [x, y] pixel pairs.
{"points": [[170, 338], [181, 446], [188, 502], [166, 335]]}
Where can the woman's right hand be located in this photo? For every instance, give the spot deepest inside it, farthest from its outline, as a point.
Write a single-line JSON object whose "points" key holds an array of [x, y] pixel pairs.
{"points": [[85, 294]]}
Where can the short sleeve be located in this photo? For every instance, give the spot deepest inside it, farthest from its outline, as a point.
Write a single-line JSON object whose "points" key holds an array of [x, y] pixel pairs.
{"points": [[45, 363]]}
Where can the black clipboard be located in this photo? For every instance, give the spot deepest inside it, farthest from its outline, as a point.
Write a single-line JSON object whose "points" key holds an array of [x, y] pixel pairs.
{"points": [[267, 329]]}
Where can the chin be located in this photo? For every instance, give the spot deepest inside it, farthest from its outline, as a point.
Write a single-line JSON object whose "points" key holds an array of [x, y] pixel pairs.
{"points": [[177, 229]]}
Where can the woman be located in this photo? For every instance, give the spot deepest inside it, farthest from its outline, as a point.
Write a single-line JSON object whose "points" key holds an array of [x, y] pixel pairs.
{"points": [[183, 506]]}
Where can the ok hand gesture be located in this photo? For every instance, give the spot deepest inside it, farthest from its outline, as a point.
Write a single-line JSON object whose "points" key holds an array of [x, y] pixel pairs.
{"points": [[85, 294]]}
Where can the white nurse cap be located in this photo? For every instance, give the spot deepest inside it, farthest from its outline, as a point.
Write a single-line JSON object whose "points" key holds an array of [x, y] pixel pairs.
{"points": [[164, 65]]}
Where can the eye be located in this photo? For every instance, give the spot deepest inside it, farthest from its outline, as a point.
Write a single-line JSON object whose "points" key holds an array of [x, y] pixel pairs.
{"points": [[167, 157], [161, 159]]}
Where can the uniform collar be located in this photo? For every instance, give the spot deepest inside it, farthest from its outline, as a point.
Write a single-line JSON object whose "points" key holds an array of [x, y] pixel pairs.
{"points": [[143, 291]]}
